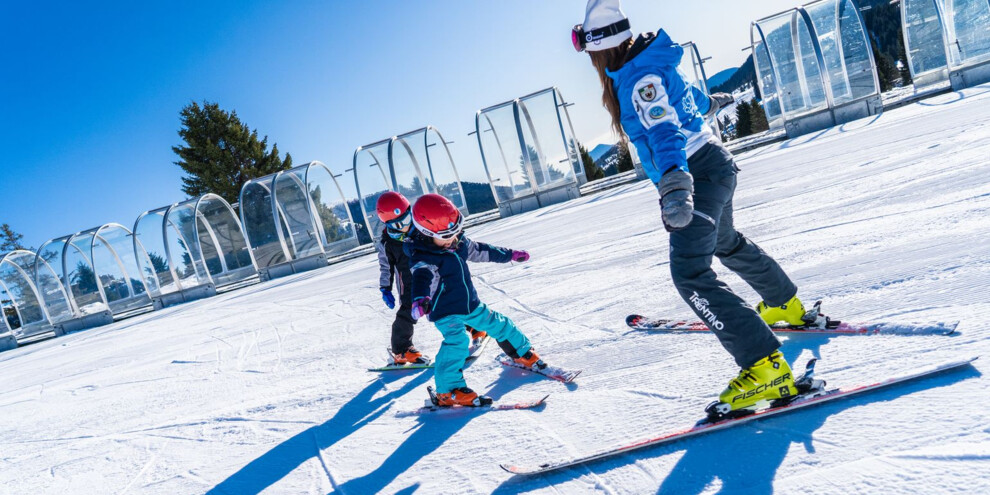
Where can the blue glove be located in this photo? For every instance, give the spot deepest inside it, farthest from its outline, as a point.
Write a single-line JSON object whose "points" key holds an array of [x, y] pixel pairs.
{"points": [[388, 297]]}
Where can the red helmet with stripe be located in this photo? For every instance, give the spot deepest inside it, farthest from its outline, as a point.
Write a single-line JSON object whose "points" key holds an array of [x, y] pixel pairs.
{"points": [[391, 206], [435, 216]]}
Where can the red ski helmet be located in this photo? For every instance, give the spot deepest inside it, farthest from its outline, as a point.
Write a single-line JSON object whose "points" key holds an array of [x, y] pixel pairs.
{"points": [[392, 207], [435, 216]]}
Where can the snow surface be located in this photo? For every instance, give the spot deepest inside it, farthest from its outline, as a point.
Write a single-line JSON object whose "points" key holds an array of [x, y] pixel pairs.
{"points": [[265, 390]]}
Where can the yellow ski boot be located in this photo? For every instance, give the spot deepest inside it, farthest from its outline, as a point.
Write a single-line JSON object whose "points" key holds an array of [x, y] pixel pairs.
{"points": [[767, 380], [791, 312]]}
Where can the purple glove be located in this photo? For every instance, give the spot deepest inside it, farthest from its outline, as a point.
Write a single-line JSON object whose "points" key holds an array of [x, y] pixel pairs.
{"points": [[520, 256], [420, 308]]}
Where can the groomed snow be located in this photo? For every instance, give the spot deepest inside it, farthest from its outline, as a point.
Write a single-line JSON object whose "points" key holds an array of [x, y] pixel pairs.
{"points": [[265, 388]]}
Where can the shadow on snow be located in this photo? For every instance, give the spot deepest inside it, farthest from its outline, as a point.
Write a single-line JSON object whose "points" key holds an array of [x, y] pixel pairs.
{"points": [[743, 459]]}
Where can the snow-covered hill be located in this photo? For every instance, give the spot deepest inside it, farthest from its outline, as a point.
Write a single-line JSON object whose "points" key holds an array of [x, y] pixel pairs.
{"points": [[265, 389]]}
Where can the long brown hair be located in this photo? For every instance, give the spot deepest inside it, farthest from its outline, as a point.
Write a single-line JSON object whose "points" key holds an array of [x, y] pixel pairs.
{"points": [[611, 59]]}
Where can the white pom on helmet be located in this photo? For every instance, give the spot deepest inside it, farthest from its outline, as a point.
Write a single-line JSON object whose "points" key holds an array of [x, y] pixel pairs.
{"points": [[603, 26]]}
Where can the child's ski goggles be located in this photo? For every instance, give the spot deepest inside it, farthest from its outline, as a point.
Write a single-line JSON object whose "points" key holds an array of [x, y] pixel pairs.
{"points": [[400, 223]]}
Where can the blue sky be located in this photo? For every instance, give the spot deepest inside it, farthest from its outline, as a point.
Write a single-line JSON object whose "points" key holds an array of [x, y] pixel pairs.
{"points": [[90, 92]]}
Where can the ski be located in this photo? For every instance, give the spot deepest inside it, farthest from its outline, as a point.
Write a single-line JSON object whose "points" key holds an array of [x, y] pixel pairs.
{"points": [[817, 324], [812, 398], [551, 372], [475, 351], [495, 406]]}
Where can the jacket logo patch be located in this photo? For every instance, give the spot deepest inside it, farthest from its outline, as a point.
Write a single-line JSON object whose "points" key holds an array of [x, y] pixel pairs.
{"points": [[657, 112], [648, 92]]}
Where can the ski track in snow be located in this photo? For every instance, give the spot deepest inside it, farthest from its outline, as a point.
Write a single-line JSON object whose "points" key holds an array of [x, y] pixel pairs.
{"points": [[264, 389]]}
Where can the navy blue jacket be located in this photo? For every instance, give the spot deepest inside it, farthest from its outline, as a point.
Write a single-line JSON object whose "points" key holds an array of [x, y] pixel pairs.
{"points": [[443, 274]]}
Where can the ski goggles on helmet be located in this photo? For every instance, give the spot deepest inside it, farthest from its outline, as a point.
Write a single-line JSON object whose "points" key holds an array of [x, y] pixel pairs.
{"points": [[452, 230], [580, 38], [400, 223]]}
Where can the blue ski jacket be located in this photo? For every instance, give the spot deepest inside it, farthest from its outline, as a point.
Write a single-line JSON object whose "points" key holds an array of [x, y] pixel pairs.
{"points": [[661, 111], [443, 274]]}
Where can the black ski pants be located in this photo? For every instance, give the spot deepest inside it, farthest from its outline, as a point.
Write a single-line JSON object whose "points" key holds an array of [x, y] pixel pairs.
{"points": [[738, 327], [402, 327]]}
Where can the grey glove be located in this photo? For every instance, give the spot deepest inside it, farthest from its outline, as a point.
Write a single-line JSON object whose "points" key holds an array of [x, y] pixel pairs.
{"points": [[676, 204], [719, 101]]}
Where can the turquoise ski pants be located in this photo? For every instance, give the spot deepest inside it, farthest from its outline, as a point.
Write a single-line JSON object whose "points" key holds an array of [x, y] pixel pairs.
{"points": [[448, 368]]}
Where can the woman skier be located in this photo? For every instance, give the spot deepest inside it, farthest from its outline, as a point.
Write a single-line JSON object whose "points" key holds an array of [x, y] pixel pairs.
{"points": [[662, 114], [442, 289]]}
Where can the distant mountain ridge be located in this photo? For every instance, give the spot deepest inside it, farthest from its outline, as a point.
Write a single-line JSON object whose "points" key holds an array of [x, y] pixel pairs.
{"points": [[720, 78], [745, 74]]}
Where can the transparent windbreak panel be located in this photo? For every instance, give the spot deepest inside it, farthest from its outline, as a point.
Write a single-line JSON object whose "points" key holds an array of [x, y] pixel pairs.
{"points": [[546, 143], [292, 198], [968, 30], [81, 276], [689, 67], [183, 246], [149, 246], [407, 160], [925, 44], [48, 278], [768, 86], [330, 209], [116, 269], [845, 49], [792, 52], [20, 294], [503, 155], [225, 250], [372, 176], [440, 170], [260, 223]]}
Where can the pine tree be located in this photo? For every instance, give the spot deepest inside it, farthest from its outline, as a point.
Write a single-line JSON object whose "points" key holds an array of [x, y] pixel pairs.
{"points": [[9, 240], [221, 153], [625, 162], [591, 171], [744, 119], [886, 70], [759, 117]]}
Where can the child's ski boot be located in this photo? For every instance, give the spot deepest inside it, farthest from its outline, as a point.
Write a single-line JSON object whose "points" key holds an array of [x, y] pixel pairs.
{"points": [[476, 335], [792, 312], [411, 356], [462, 396], [768, 380], [531, 360]]}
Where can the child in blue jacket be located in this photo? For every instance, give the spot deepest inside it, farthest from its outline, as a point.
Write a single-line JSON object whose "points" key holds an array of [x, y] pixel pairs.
{"points": [[442, 289]]}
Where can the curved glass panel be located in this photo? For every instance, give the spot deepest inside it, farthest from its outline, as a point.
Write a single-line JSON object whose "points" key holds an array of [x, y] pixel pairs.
{"points": [[331, 210], [799, 79], [116, 269], [768, 85], [19, 293], [80, 275], [149, 247], [292, 198], [500, 148], [923, 36], [372, 178], [260, 224], [440, 170], [48, 279], [845, 49], [407, 161], [968, 30], [224, 248], [181, 233], [546, 142]]}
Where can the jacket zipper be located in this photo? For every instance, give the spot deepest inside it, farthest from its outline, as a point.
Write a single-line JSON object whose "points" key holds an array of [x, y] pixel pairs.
{"points": [[467, 294]]}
